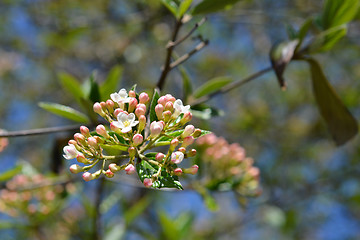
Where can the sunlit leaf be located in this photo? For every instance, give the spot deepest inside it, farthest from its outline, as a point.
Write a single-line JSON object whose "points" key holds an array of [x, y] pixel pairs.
{"points": [[117, 147], [171, 6], [338, 12], [212, 85], [64, 111], [209, 6], [340, 122], [184, 6], [111, 83]]}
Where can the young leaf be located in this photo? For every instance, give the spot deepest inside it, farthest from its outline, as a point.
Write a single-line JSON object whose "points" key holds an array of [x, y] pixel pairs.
{"points": [[64, 111], [171, 6], [154, 100], [165, 180], [212, 85], [187, 87], [209, 6], [184, 6], [4, 176], [340, 122], [70, 84], [113, 148], [338, 12], [327, 39], [111, 83]]}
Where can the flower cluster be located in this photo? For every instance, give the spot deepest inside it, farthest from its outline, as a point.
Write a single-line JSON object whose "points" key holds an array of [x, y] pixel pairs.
{"points": [[29, 196], [227, 166], [135, 127]]}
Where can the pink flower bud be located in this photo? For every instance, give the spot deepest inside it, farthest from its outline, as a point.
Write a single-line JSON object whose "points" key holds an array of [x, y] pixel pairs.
{"points": [[159, 111], [173, 144], [132, 152], [188, 141], [118, 111], [103, 105], [182, 149], [132, 104], [98, 109], [99, 140], [197, 133], [114, 128], [155, 129], [137, 139], [101, 130], [177, 157], [189, 129], [178, 171], [186, 118], [144, 98], [148, 182], [254, 172], [114, 168], [109, 173], [169, 106], [170, 98], [132, 94], [142, 123], [75, 168], [162, 100], [159, 157], [191, 153], [80, 139], [167, 116], [92, 142], [88, 176], [139, 112], [70, 152], [130, 169], [110, 105], [81, 158], [85, 131], [192, 170]]}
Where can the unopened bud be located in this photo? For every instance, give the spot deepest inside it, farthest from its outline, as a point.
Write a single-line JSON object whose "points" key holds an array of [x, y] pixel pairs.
{"points": [[167, 116], [132, 93], [117, 112], [186, 118], [110, 105], [159, 157], [188, 141], [173, 144], [139, 112], [159, 111], [99, 140], [169, 106], [132, 104], [137, 139], [191, 153], [88, 176], [109, 173], [189, 129], [113, 167], [101, 130], [92, 142], [98, 109], [75, 168], [85, 131], [114, 128], [130, 169], [196, 133], [142, 123], [177, 157], [162, 100], [148, 182], [72, 141], [144, 98], [103, 105], [81, 158], [178, 171], [132, 152], [182, 149], [170, 98], [80, 139], [155, 129], [192, 170]]}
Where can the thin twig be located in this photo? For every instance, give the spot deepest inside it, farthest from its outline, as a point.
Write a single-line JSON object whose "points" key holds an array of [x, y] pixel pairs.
{"points": [[166, 67], [231, 86], [39, 131], [186, 56], [177, 42]]}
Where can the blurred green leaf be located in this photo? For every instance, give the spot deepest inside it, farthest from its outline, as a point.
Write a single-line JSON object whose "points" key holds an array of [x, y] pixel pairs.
{"points": [[184, 6], [70, 84], [338, 12], [134, 211], [327, 39], [209, 6], [187, 87], [340, 122], [171, 6], [153, 104], [110, 201], [205, 112], [303, 31], [165, 180], [4, 176], [64, 111], [212, 85], [111, 83], [94, 94], [116, 232], [169, 227]]}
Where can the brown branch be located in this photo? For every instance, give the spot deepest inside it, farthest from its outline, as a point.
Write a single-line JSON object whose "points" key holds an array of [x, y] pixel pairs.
{"points": [[39, 131], [231, 86]]}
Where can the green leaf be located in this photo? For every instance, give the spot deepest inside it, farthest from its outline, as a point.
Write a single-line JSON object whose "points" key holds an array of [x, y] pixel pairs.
{"points": [[169, 227], [70, 84], [171, 6], [212, 85], [209, 6], [303, 31], [338, 12], [4, 176], [205, 112], [184, 6], [139, 207], [116, 232], [340, 122], [111, 83], [187, 87], [327, 39], [94, 94], [153, 104], [64, 111], [165, 180], [118, 147]]}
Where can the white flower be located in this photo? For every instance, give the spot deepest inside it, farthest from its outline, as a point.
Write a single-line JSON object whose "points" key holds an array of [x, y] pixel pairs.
{"points": [[125, 122], [120, 97], [177, 157], [70, 152], [180, 108]]}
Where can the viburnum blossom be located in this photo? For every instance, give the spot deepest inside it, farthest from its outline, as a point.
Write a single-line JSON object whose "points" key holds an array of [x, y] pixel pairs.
{"points": [[137, 125]]}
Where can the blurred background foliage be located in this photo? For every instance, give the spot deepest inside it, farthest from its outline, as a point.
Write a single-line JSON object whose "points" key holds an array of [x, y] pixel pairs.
{"points": [[311, 188]]}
